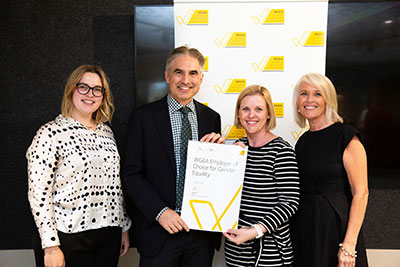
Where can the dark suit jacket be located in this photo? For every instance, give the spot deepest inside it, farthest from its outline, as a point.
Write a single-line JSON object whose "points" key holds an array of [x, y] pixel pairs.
{"points": [[149, 171]]}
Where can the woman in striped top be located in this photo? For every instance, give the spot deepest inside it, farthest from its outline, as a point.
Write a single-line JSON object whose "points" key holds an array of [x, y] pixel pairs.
{"points": [[270, 190]]}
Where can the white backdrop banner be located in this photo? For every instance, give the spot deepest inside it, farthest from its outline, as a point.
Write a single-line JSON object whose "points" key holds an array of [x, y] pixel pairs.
{"points": [[270, 43]]}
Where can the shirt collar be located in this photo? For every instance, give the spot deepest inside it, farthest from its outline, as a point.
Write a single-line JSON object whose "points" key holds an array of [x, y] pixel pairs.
{"points": [[69, 121], [174, 105]]}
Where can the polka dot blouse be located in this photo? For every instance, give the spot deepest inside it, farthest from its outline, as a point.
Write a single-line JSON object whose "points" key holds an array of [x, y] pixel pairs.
{"points": [[74, 183]]}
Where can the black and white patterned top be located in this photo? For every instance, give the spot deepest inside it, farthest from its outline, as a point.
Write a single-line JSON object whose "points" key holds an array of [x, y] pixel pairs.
{"points": [[74, 182], [270, 196], [176, 124]]}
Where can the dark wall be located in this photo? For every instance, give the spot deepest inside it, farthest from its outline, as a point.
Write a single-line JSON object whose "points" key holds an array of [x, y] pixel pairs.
{"points": [[41, 43]]}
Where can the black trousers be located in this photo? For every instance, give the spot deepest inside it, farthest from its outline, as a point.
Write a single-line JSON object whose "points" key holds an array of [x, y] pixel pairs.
{"points": [[97, 248], [184, 249]]}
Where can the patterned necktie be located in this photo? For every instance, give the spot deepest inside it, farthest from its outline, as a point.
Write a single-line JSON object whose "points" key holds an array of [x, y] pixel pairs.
{"points": [[186, 135]]}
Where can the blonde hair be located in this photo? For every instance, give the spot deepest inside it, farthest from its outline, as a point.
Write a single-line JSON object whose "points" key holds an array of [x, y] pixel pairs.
{"points": [[254, 90], [106, 110], [328, 93]]}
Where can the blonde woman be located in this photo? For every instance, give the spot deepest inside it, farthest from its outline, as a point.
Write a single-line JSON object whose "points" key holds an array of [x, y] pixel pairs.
{"points": [[270, 190], [75, 191], [333, 180]]}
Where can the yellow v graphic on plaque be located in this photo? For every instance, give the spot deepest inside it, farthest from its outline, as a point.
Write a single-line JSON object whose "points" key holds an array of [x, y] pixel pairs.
{"points": [[217, 219]]}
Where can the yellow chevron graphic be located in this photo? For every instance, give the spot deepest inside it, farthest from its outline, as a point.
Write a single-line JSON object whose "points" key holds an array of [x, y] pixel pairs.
{"points": [[296, 135], [310, 38], [224, 41], [262, 17], [300, 42], [222, 89], [217, 219], [186, 18], [231, 86], [273, 63], [259, 67], [199, 17], [235, 39], [270, 16]]}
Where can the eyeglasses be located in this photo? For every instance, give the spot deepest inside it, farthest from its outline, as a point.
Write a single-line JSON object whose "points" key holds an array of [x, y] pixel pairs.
{"points": [[84, 89]]}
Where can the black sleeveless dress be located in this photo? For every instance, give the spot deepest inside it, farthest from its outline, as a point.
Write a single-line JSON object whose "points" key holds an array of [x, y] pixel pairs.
{"points": [[325, 198]]}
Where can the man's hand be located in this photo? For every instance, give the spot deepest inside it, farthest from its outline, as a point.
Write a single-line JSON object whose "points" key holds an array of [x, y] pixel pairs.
{"points": [[213, 138], [239, 143], [172, 222]]}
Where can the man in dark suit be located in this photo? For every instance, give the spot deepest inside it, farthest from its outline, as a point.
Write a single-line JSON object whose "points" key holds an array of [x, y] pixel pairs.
{"points": [[153, 166]]}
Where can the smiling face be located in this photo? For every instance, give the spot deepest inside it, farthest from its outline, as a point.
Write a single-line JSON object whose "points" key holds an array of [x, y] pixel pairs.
{"points": [[184, 78], [311, 103], [85, 105], [253, 114]]}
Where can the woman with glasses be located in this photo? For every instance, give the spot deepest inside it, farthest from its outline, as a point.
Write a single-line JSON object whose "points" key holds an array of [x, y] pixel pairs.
{"points": [[75, 191]]}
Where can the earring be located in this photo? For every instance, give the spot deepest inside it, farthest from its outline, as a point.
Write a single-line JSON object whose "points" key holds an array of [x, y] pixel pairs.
{"points": [[298, 110]]}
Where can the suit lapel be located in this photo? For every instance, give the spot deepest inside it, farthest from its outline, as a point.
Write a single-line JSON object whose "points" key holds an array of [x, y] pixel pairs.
{"points": [[201, 119], [163, 124]]}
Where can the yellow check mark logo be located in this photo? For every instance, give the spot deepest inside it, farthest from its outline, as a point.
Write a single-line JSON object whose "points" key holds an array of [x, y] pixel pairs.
{"points": [[296, 135], [217, 219], [224, 41], [186, 18], [222, 89], [300, 42], [260, 67], [260, 19]]}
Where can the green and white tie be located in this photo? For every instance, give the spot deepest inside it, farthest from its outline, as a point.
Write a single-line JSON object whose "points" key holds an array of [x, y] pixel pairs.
{"points": [[186, 135]]}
